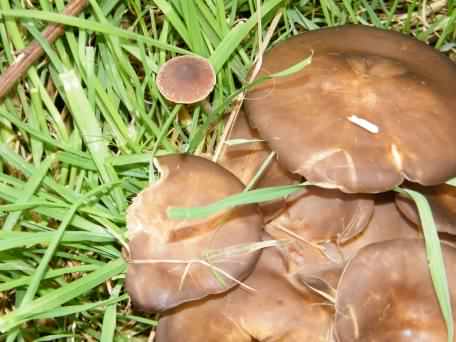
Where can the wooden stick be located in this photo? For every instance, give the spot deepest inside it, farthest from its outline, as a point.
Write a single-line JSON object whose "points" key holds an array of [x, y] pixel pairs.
{"points": [[33, 51]]}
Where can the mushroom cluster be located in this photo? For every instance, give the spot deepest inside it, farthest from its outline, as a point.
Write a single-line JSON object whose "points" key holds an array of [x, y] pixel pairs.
{"points": [[342, 260]]}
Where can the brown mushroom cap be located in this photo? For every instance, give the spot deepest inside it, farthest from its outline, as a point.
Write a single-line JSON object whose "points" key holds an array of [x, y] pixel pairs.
{"points": [[186, 79], [318, 263], [276, 311], [386, 294], [442, 199], [317, 214], [357, 72], [245, 160], [186, 181], [387, 223]]}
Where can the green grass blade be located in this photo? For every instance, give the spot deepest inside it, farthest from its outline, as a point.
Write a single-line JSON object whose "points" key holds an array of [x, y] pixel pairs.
{"points": [[28, 191], [109, 319], [248, 197], [90, 130], [62, 295], [229, 43], [435, 258], [90, 25]]}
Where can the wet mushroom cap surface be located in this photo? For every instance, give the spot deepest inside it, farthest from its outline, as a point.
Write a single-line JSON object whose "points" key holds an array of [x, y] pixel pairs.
{"points": [[441, 198], [276, 311], [386, 294], [164, 270], [186, 79], [363, 116]]}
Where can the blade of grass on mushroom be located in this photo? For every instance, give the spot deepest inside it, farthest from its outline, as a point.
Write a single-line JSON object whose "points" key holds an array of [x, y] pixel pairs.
{"points": [[235, 142], [248, 197], [263, 167], [435, 257]]}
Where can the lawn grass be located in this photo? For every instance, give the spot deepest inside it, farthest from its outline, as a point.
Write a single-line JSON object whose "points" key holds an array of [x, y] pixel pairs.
{"points": [[78, 134]]}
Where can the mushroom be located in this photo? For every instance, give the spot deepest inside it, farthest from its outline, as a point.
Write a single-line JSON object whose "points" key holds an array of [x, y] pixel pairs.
{"points": [[386, 294], [186, 79], [317, 214], [442, 199], [363, 116], [328, 227], [276, 311], [387, 223], [172, 262], [245, 160]]}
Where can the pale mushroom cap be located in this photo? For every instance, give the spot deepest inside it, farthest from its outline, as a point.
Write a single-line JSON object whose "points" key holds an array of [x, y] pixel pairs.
{"points": [[364, 115], [386, 294], [275, 312], [186, 79], [441, 198], [187, 181]]}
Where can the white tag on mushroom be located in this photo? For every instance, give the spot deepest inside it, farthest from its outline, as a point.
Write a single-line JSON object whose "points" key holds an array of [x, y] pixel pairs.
{"points": [[363, 123]]}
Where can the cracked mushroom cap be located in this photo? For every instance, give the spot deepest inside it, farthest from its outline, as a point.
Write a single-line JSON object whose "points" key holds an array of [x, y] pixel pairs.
{"points": [[186, 79], [244, 161], [363, 116], [159, 274], [386, 294], [276, 311], [442, 199]]}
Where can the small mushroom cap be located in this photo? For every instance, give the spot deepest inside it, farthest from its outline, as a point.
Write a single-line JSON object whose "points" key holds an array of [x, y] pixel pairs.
{"points": [[386, 294], [276, 311], [244, 161], [187, 181], [186, 79], [363, 116], [442, 199]]}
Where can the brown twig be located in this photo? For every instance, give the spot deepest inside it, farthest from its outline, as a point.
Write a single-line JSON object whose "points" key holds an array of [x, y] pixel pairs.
{"points": [[34, 50]]}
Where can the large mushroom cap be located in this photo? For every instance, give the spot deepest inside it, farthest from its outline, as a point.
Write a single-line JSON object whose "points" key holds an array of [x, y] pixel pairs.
{"points": [[276, 311], [386, 294], [153, 281], [364, 115], [442, 199], [186, 79]]}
